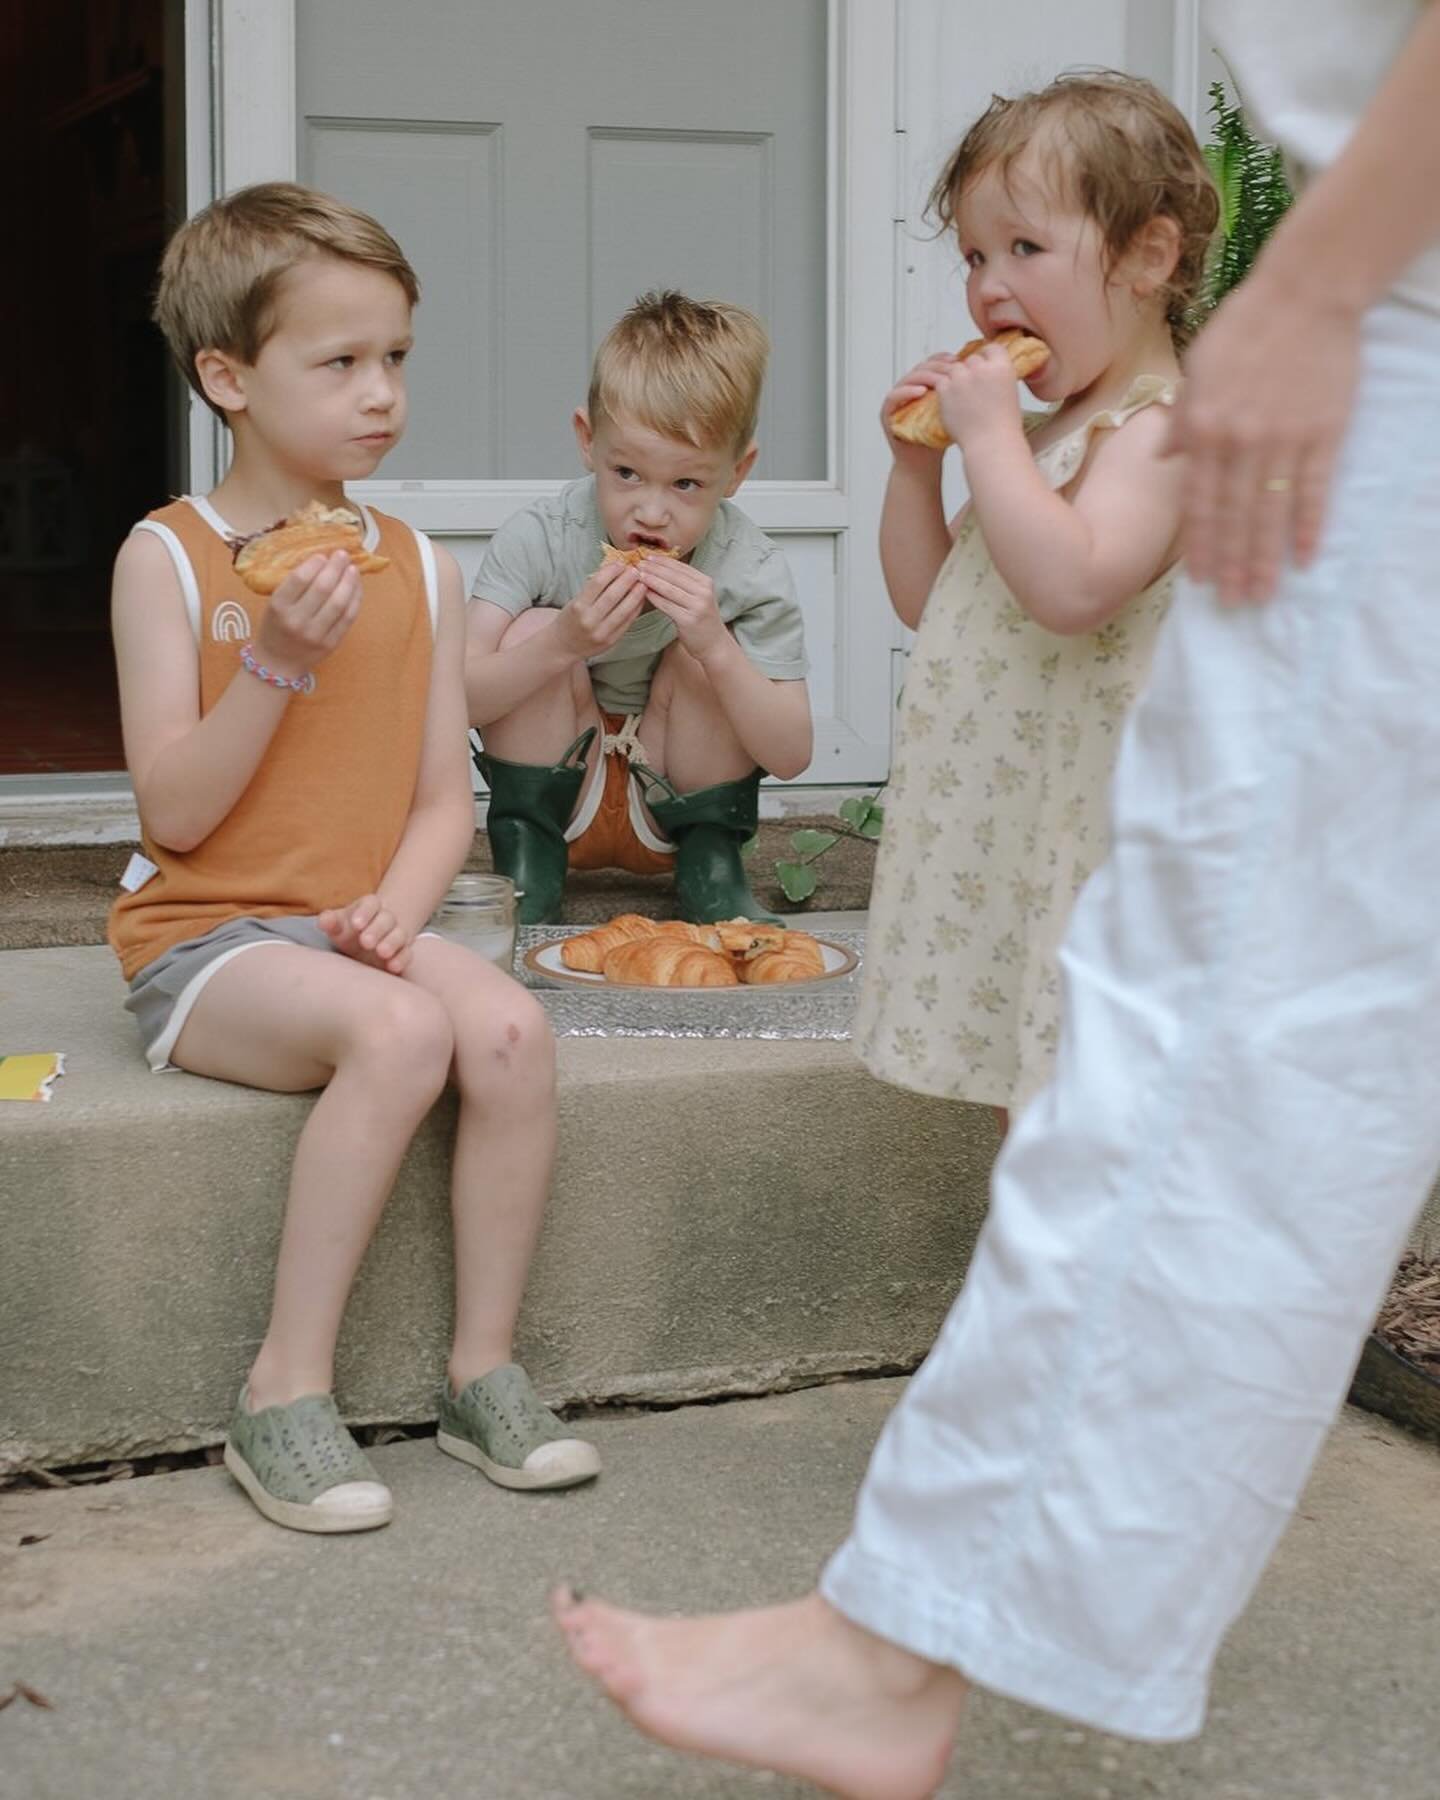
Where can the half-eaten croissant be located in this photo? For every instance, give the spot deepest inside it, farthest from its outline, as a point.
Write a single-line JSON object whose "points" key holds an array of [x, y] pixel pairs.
{"points": [[636, 556], [262, 562], [919, 421]]}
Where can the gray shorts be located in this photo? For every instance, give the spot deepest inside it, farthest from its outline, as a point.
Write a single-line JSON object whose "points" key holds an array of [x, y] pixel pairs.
{"points": [[162, 994]]}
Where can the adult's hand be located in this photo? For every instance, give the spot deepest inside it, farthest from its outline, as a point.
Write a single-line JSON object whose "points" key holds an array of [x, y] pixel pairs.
{"points": [[1270, 383]]}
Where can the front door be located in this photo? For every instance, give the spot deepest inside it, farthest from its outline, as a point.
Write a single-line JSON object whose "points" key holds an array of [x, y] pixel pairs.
{"points": [[542, 163]]}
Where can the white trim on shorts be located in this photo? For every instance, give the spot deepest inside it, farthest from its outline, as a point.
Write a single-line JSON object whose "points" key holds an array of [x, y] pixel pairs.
{"points": [[157, 1054], [639, 824]]}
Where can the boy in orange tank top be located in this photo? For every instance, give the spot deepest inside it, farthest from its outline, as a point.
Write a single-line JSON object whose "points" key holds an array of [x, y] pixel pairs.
{"points": [[278, 813]]}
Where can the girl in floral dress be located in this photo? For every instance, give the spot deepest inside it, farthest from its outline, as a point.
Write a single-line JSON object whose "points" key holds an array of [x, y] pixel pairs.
{"points": [[1082, 213]]}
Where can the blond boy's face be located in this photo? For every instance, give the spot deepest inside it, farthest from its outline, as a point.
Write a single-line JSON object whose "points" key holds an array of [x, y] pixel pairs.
{"points": [[326, 393], [652, 490]]}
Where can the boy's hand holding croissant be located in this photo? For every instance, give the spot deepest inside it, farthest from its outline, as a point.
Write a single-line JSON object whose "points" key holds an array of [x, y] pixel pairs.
{"points": [[687, 597], [602, 612]]}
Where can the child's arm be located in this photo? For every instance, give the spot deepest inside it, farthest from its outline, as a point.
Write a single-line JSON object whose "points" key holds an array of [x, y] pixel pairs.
{"points": [[914, 537], [1071, 563], [188, 772], [770, 718], [379, 928], [499, 680]]}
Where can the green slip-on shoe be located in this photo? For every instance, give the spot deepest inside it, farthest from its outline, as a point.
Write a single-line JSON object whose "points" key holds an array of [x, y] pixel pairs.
{"points": [[499, 1424], [303, 1469]]}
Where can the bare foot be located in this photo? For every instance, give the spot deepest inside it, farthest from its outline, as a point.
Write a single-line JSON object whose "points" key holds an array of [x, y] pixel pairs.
{"points": [[798, 1689]]}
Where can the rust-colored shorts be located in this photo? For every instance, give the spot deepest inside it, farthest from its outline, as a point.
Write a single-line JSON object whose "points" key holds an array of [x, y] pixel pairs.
{"points": [[611, 831]]}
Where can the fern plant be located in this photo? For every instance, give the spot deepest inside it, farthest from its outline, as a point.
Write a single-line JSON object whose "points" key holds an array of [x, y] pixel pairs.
{"points": [[1254, 194]]}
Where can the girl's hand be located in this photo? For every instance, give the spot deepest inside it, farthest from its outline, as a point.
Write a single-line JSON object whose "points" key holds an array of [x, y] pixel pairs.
{"points": [[370, 932], [683, 594], [1268, 392], [309, 613], [602, 612], [980, 396], [924, 376]]}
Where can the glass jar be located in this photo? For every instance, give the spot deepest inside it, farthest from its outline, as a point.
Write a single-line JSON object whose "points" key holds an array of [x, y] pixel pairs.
{"points": [[479, 912]]}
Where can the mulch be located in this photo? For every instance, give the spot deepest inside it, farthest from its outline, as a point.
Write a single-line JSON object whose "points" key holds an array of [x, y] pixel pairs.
{"points": [[1409, 1321]]}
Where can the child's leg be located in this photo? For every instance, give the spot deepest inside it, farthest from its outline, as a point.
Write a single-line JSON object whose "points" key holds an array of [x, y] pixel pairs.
{"points": [[291, 1019], [684, 729], [504, 1068], [714, 804], [538, 777], [542, 727]]}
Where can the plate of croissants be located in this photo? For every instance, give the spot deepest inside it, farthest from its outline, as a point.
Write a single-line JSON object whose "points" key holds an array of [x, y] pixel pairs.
{"points": [[629, 951]]}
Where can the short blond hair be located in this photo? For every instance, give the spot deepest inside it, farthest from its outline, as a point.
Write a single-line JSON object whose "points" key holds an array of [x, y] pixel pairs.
{"points": [[1116, 148], [221, 273], [690, 369]]}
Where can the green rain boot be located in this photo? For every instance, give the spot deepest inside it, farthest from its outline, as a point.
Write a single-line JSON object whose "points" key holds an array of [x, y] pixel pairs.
{"points": [[530, 806], [707, 829]]}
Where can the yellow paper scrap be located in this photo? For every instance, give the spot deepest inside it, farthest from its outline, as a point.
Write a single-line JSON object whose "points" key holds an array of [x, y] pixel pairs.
{"points": [[30, 1077]]}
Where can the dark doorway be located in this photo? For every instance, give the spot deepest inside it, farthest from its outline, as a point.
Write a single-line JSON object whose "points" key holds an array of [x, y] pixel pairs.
{"points": [[90, 103]]}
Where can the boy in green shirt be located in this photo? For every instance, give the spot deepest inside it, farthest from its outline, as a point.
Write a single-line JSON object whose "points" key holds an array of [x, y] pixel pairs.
{"points": [[683, 659]]}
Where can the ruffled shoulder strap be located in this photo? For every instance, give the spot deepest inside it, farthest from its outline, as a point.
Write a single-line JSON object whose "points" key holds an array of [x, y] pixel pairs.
{"points": [[1060, 462]]}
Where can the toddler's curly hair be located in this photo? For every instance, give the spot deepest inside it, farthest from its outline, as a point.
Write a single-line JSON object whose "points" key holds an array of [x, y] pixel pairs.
{"points": [[1114, 146]]}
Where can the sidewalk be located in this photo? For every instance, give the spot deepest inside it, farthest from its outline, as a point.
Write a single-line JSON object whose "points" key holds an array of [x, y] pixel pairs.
{"points": [[195, 1652]]}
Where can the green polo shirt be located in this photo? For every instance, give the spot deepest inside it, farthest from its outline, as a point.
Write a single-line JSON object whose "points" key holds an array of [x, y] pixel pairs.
{"points": [[544, 555]]}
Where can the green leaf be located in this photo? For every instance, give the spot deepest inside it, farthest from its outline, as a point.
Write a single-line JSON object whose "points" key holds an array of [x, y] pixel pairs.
{"points": [[748, 847], [873, 826], [852, 811], [812, 843], [798, 880]]}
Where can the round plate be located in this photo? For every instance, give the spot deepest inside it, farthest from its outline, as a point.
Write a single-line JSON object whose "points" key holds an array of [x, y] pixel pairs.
{"points": [[543, 961]]}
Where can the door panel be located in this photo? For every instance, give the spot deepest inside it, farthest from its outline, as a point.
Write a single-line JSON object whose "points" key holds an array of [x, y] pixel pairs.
{"points": [[539, 182]]}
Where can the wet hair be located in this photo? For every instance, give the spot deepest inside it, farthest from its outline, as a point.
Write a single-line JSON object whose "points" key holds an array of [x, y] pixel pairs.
{"points": [[691, 370], [1114, 146], [222, 272]]}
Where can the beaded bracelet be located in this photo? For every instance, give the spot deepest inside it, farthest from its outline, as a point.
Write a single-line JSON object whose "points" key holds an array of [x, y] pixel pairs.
{"points": [[297, 684]]}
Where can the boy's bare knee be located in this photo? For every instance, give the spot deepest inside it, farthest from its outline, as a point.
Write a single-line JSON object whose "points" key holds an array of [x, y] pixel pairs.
{"points": [[682, 673], [505, 1041], [407, 1033]]}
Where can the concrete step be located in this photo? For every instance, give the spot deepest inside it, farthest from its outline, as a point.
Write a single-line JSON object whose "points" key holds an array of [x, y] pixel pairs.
{"points": [[189, 1649], [727, 1216]]}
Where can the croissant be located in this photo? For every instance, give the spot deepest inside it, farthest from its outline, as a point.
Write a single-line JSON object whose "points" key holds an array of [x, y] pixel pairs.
{"points": [[745, 938], [799, 958], [588, 951], [919, 421], [262, 562], [636, 556], [668, 962], [708, 935]]}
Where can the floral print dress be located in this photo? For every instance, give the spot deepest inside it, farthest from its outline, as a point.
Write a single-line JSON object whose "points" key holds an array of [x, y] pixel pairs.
{"points": [[996, 813]]}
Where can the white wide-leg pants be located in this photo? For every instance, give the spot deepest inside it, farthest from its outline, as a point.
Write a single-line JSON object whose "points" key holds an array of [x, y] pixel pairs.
{"points": [[1193, 1226]]}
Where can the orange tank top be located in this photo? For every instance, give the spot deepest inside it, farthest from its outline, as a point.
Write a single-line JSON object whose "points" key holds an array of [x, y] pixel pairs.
{"points": [[323, 815]]}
